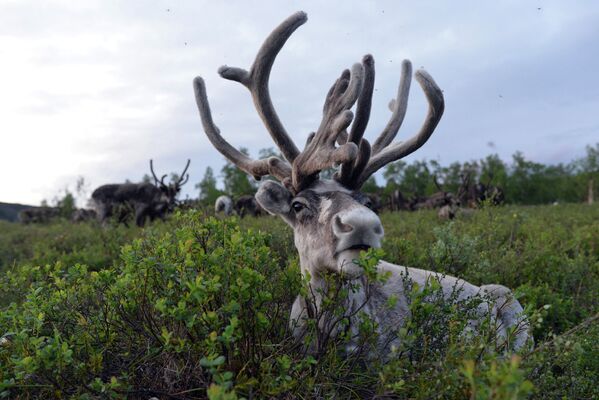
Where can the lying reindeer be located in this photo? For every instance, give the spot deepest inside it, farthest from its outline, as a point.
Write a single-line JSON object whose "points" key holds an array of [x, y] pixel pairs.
{"points": [[145, 200], [38, 215], [330, 221]]}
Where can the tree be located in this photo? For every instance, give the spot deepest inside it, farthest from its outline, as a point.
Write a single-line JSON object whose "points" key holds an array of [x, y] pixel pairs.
{"points": [[66, 204], [207, 186], [417, 179], [393, 172], [81, 190], [588, 172], [237, 183], [269, 152], [147, 179], [493, 171], [370, 186]]}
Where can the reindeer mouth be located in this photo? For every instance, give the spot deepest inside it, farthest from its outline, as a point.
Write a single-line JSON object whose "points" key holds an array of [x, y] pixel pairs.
{"points": [[360, 247], [353, 250], [346, 259]]}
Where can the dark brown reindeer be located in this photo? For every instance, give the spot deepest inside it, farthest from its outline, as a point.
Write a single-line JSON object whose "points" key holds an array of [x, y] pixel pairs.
{"points": [[247, 204], [447, 202], [489, 193], [83, 215], [331, 224], [474, 194], [145, 200], [38, 215]]}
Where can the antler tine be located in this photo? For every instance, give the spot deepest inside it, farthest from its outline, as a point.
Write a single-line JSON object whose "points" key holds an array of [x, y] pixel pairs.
{"points": [[183, 181], [162, 179], [256, 80], [320, 151], [364, 101], [183, 173], [398, 106], [257, 168], [395, 151], [153, 173], [351, 170]]}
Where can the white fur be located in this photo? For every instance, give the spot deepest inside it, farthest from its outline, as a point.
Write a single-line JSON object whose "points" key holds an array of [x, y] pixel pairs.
{"points": [[503, 311], [223, 204]]}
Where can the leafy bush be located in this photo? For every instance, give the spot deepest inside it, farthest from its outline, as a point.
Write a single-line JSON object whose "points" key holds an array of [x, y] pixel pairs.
{"points": [[27, 251], [180, 310], [198, 307]]}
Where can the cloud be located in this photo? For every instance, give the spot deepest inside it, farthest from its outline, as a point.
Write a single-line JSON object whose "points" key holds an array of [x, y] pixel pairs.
{"points": [[97, 89]]}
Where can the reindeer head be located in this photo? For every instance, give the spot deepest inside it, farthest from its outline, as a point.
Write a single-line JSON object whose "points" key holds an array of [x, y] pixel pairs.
{"points": [[170, 191], [330, 218]]}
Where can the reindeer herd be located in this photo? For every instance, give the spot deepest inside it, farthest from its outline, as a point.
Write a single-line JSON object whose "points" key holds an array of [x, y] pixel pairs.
{"points": [[333, 222], [145, 201]]}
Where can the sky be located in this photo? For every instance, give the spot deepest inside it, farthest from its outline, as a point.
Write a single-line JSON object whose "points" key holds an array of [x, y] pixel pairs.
{"points": [[95, 89]]}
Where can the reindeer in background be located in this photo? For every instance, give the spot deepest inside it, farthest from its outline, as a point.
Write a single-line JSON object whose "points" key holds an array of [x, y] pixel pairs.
{"points": [[223, 204], [144, 200], [247, 204], [330, 221], [38, 215]]}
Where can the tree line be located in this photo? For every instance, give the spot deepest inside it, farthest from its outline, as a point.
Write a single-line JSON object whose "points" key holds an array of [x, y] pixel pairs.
{"points": [[523, 181]]}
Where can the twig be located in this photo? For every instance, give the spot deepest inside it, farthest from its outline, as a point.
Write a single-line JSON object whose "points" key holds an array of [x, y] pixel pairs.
{"points": [[578, 327]]}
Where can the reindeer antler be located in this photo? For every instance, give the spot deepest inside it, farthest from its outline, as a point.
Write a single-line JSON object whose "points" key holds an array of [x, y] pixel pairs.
{"points": [[257, 168], [385, 152], [156, 181], [256, 80], [357, 159], [320, 151], [183, 178]]}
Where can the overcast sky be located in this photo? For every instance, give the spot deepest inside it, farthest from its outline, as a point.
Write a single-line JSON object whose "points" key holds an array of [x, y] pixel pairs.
{"points": [[97, 88]]}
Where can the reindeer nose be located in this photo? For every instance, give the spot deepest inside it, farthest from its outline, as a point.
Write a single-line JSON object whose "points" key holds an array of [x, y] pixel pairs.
{"points": [[358, 227]]}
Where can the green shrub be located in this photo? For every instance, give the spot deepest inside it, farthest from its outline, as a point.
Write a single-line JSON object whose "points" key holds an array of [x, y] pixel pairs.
{"points": [[198, 307]]}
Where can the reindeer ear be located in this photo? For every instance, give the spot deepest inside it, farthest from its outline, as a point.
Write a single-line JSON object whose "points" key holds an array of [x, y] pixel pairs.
{"points": [[275, 199]]}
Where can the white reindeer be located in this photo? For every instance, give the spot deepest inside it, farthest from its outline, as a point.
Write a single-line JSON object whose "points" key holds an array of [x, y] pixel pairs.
{"points": [[330, 221], [223, 204]]}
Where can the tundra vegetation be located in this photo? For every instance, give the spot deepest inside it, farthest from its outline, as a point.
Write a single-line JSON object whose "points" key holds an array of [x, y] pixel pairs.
{"points": [[197, 307]]}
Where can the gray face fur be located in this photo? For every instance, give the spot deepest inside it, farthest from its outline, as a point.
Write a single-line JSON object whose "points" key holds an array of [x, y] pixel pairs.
{"points": [[331, 224]]}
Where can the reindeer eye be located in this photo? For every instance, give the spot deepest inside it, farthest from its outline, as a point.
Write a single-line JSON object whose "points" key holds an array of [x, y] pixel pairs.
{"points": [[297, 206]]}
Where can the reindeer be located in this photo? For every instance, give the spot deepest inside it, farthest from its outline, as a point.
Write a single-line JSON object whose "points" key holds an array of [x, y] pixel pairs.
{"points": [[489, 193], [447, 202], [223, 204], [330, 221], [375, 202], [473, 194], [83, 214], [38, 215], [397, 201], [247, 204], [146, 200]]}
